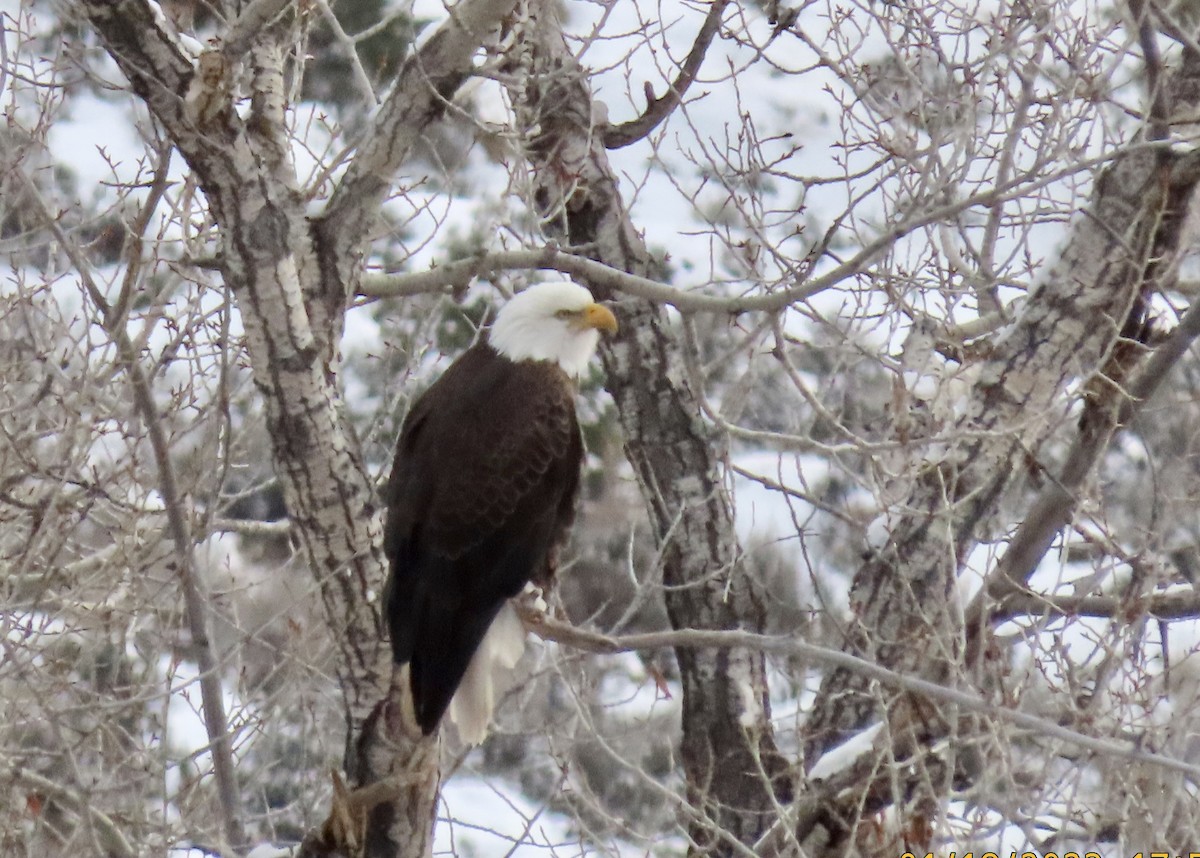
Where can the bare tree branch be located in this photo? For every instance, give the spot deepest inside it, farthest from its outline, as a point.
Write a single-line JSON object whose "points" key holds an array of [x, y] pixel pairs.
{"points": [[110, 835], [589, 641], [658, 109], [292, 277], [423, 88], [1158, 121], [1056, 504], [216, 723], [1133, 229], [1182, 605], [458, 273], [362, 83], [727, 734], [250, 527]]}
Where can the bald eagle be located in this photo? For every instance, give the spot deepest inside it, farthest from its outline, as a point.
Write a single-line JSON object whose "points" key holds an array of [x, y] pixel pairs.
{"points": [[482, 491]]}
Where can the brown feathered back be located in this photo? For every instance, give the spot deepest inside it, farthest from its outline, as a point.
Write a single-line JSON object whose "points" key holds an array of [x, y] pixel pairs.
{"points": [[482, 489]]}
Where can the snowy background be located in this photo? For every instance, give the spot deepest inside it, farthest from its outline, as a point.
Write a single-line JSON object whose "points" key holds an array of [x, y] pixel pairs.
{"points": [[791, 153]]}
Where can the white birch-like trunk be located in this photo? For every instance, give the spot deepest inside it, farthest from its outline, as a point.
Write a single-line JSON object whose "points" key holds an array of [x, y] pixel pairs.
{"points": [[292, 277]]}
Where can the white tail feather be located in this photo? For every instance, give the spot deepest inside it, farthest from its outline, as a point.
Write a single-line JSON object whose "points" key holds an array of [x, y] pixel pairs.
{"points": [[487, 676]]}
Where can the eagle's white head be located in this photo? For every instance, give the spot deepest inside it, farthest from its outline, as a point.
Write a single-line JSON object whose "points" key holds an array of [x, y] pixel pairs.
{"points": [[559, 322]]}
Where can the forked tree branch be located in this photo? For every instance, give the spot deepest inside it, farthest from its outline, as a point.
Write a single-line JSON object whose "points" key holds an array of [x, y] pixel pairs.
{"points": [[293, 276], [658, 109], [727, 741], [1072, 327], [246, 28], [1056, 503], [424, 87], [362, 82]]}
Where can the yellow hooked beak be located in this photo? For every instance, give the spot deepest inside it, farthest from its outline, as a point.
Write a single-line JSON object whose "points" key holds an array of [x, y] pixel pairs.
{"points": [[599, 317]]}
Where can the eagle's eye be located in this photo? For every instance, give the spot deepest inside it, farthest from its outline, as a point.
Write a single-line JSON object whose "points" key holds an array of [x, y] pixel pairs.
{"points": [[565, 314]]}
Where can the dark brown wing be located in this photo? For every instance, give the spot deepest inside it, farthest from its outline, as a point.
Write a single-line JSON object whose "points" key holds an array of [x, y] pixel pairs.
{"points": [[482, 489]]}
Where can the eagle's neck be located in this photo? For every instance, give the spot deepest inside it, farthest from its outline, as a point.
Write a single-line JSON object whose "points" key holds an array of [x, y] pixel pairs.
{"points": [[521, 339]]}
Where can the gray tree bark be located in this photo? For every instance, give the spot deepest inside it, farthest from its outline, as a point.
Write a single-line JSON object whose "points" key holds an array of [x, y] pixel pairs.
{"points": [[735, 776], [1086, 321], [292, 277]]}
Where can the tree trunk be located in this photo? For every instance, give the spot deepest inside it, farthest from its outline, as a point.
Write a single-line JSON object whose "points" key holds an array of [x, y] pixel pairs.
{"points": [[735, 776], [1084, 323], [292, 278]]}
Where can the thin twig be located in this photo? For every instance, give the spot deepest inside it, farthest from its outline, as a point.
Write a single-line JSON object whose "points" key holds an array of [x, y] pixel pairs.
{"points": [[3, 56]]}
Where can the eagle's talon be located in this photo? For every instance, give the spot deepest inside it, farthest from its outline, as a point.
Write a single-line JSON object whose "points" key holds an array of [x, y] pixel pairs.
{"points": [[532, 600]]}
